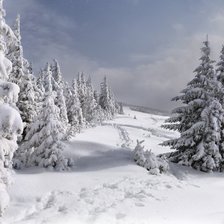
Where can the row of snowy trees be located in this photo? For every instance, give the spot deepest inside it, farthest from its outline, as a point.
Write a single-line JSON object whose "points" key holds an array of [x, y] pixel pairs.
{"points": [[41, 112], [200, 121], [52, 110], [62, 111]]}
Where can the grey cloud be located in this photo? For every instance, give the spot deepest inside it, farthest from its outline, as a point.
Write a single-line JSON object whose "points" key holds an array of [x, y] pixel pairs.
{"points": [[151, 80]]}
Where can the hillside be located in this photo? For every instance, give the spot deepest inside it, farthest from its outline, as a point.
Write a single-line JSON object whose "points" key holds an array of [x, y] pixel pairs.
{"points": [[106, 186]]}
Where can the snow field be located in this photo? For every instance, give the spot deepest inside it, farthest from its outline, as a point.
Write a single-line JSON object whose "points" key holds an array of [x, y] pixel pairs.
{"points": [[106, 186]]}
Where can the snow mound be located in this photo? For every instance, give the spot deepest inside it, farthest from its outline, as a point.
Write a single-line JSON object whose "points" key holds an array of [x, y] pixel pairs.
{"points": [[10, 121], [9, 92], [5, 65]]}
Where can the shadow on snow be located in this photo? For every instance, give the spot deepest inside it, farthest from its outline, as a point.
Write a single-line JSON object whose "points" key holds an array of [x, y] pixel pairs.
{"points": [[90, 156]]}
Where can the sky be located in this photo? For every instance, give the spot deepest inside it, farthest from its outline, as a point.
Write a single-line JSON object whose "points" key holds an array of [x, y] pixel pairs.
{"points": [[148, 49]]}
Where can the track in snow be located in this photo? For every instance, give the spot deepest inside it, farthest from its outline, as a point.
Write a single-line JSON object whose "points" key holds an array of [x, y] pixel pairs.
{"points": [[124, 136], [97, 204], [152, 131]]}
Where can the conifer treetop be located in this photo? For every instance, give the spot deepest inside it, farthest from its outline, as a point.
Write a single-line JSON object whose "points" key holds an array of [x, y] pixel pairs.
{"points": [[17, 28]]}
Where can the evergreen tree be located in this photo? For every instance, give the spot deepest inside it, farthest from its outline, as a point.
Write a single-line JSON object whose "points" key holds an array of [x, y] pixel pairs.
{"points": [[96, 96], [81, 84], [58, 87], [99, 112], [67, 95], [119, 108], [106, 100], [89, 105], [220, 92], [43, 142], [61, 104], [46, 79], [220, 77], [59, 99], [198, 120], [10, 120], [112, 103], [104, 95], [20, 75], [56, 73], [74, 110], [40, 82]]}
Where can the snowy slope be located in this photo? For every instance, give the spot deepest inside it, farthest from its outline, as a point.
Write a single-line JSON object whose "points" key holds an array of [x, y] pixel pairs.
{"points": [[106, 186]]}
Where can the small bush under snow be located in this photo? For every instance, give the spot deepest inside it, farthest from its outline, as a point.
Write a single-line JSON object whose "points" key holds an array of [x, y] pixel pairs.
{"points": [[154, 164]]}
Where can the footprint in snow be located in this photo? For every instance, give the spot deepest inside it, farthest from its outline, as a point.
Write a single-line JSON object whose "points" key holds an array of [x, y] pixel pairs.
{"points": [[83, 193], [139, 205], [111, 186], [120, 215], [168, 186], [195, 185], [62, 209]]}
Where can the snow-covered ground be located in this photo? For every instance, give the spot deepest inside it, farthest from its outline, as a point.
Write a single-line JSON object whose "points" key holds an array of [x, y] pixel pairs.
{"points": [[106, 186]]}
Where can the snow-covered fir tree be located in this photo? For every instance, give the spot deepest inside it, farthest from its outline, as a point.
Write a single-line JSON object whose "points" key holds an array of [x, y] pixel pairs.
{"points": [[50, 85], [199, 120], [10, 121], [220, 91], [40, 81], [43, 143], [82, 89], [67, 95], [46, 78], [75, 116], [61, 104], [113, 107], [89, 105], [119, 108], [96, 96], [56, 73], [58, 87], [104, 95], [106, 99], [220, 67], [21, 75]]}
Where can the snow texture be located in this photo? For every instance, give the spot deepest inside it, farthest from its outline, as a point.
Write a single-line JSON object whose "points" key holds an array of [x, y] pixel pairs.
{"points": [[106, 185]]}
